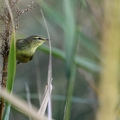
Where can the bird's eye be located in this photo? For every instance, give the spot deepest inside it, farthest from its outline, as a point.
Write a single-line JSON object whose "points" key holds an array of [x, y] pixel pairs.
{"points": [[40, 38]]}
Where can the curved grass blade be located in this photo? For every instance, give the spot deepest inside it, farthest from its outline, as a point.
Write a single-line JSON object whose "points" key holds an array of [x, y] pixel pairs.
{"points": [[11, 64], [79, 60]]}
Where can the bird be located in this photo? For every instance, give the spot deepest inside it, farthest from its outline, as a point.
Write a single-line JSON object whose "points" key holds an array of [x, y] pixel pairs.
{"points": [[25, 48]]}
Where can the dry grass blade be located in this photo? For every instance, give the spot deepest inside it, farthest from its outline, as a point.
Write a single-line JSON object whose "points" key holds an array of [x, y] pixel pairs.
{"points": [[21, 105], [45, 100], [49, 71], [50, 49]]}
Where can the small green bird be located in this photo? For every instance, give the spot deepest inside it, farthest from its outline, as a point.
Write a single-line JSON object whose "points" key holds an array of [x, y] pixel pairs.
{"points": [[25, 48]]}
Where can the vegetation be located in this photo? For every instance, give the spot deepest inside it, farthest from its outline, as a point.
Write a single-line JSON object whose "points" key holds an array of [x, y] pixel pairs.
{"points": [[84, 68]]}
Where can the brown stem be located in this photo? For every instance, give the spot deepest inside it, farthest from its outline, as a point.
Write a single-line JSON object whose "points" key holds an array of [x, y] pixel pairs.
{"points": [[3, 84], [4, 69], [5, 59]]}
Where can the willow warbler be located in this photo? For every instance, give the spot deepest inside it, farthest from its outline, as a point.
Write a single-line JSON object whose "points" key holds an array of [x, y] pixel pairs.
{"points": [[25, 48]]}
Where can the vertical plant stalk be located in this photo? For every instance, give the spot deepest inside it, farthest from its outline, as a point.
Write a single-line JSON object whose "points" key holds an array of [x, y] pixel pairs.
{"points": [[109, 79], [70, 49], [5, 58], [69, 95]]}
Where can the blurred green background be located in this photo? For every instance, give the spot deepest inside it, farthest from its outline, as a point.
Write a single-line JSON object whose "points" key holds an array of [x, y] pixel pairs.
{"points": [[75, 31]]}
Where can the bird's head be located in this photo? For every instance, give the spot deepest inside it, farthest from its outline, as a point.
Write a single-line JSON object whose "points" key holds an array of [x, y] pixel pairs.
{"points": [[37, 39]]}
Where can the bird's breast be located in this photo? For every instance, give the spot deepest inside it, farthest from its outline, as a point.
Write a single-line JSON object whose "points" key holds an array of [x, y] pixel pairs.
{"points": [[24, 55]]}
